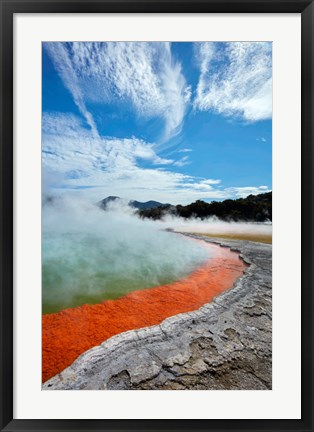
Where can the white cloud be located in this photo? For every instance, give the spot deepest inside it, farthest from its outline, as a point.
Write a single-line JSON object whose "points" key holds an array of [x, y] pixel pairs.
{"points": [[185, 150], [182, 162], [74, 159], [142, 73], [67, 73], [235, 79], [68, 146], [211, 182], [242, 192]]}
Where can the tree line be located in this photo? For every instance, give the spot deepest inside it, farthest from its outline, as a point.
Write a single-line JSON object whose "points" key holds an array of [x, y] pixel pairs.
{"points": [[257, 208]]}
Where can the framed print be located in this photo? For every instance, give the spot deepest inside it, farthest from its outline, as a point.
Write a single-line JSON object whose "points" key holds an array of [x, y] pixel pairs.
{"points": [[156, 171]]}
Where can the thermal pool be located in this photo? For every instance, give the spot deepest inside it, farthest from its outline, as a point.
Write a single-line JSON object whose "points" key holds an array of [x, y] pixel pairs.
{"points": [[68, 333]]}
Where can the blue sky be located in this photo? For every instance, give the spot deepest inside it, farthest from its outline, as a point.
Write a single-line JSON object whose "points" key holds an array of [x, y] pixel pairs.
{"points": [[172, 122]]}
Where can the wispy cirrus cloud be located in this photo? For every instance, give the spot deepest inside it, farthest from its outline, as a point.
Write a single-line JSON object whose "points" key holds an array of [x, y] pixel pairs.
{"points": [[68, 144], [64, 66], [144, 74], [74, 159], [185, 150], [235, 79], [182, 162]]}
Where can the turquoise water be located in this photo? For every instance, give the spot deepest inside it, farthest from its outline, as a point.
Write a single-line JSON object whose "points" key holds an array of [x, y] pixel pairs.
{"points": [[105, 264]]}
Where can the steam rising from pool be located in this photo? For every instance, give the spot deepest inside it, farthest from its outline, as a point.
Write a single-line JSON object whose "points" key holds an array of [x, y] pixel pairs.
{"points": [[89, 255]]}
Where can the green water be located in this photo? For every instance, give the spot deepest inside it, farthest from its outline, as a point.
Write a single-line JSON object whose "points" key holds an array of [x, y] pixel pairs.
{"points": [[79, 269]]}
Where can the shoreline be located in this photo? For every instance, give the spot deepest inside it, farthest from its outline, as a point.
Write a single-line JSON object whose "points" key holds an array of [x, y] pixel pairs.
{"points": [[225, 344], [257, 238]]}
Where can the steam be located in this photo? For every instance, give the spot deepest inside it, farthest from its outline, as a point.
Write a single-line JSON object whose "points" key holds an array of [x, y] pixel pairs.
{"points": [[215, 226], [90, 255]]}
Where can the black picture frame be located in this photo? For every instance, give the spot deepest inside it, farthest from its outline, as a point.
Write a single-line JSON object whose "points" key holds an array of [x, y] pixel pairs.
{"points": [[8, 9]]}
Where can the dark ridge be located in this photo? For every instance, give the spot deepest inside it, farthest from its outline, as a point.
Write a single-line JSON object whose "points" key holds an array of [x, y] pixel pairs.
{"points": [[255, 208], [132, 203], [147, 204]]}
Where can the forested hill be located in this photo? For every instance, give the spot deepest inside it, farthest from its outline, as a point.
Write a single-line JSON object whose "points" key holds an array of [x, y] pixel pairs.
{"points": [[256, 208]]}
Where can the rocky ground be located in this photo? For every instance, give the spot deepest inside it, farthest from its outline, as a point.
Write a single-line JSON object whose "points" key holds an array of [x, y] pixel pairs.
{"points": [[226, 344]]}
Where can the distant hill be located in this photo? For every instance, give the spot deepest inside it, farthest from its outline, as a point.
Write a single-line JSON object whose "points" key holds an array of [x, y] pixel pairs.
{"points": [[257, 208], [132, 203], [104, 203], [146, 205]]}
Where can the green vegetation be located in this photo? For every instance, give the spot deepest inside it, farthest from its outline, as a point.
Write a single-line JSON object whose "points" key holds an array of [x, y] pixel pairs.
{"points": [[257, 208]]}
